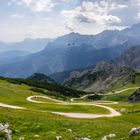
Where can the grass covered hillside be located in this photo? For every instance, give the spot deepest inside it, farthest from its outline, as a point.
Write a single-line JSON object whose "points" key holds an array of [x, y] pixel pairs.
{"points": [[39, 86], [42, 78], [38, 122]]}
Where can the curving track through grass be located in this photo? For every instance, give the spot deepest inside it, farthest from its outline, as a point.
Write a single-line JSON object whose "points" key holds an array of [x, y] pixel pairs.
{"points": [[112, 111], [110, 93]]}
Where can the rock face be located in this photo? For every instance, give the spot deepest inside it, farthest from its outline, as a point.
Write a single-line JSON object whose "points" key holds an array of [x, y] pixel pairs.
{"points": [[135, 97], [104, 76], [130, 58]]}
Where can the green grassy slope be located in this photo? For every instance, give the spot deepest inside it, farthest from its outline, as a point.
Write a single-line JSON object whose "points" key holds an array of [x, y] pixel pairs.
{"points": [[28, 123], [14, 94], [119, 97]]}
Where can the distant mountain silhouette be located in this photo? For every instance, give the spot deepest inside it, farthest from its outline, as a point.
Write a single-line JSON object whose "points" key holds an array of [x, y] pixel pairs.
{"points": [[74, 51], [28, 45]]}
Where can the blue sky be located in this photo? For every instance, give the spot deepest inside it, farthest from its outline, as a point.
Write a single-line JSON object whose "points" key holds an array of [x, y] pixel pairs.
{"points": [[20, 19]]}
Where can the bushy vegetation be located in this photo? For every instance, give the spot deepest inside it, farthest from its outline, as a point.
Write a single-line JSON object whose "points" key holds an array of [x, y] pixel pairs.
{"points": [[47, 86], [50, 93], [35, 89], [95, 97]]}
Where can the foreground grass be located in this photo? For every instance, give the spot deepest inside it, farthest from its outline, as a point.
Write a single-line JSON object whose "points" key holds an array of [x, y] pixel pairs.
{"points": [[27, 124]]}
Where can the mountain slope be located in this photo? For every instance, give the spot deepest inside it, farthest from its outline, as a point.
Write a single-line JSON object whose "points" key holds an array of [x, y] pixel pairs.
{"points": [[104, 76], [11, 56], [27, 45], [31, 45], [39, 77], [130, 58], [74, 51], [108, 75], [3, 47], [106, 39], [57, 61]]}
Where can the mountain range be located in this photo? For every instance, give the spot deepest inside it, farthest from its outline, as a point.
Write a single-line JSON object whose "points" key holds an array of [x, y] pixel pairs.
{"points": [[11, 56], [107, 75], [74, 51], [27, 45]]}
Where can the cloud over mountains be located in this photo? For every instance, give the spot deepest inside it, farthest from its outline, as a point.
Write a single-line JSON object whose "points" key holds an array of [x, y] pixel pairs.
{"points": [[27, 18]]}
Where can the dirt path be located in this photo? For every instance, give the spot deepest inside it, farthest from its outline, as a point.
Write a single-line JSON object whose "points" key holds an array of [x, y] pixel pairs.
{"points": [[112, 111], [110, 93], [123, 90], [45, 97], [11, 106]]}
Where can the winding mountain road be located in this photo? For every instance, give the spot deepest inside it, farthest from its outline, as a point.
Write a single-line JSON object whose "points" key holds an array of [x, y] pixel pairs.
{"points": [[112, 111], [110, 93]]}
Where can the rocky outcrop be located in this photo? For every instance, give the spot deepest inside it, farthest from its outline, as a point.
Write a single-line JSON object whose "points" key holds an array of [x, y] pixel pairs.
{"points": [[104, 76], [130, 58], [135, 97]]}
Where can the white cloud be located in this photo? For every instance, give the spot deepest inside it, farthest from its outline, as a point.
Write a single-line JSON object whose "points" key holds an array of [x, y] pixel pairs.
{"points": [[40, 5], [84, 16], [93, 13], [70, 26], [30, 28], [113, 27]]}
